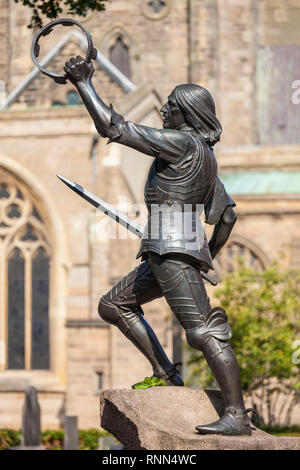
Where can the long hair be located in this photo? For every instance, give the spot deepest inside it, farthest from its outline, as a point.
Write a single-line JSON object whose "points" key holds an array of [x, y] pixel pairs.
{"points": [[198, 107]]}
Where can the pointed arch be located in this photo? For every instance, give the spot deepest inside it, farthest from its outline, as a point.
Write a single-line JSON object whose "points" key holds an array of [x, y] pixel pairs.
{"points": [[239, 248], [31, 225], [122, 50], [119, 56]]}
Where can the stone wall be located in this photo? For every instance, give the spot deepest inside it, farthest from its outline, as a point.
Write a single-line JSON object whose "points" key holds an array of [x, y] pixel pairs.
{"points": [[51, 404], [196, 40], [43, 143], [88, 354], [203, 43], [236, 68], [5, 46]]}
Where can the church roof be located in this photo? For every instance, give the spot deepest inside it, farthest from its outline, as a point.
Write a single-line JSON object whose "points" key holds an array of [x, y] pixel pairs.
{"points": [[262, 182]]}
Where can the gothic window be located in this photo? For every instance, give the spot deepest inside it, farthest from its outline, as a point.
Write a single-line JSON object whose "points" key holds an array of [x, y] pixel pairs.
{"points": [[119, 56], [16, 310], [236, 250], [73, 98], [25, 254]]}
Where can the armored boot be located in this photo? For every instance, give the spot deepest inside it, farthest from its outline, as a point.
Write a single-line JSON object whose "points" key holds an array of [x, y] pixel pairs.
{"points": [[224, 366], [232, 423], [211, 339], [149, 345], [144, 338], [171, 376], [133, 325]]}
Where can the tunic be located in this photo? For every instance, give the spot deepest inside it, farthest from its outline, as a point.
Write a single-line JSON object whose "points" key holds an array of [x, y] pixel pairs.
{"points": [[181, 184]]}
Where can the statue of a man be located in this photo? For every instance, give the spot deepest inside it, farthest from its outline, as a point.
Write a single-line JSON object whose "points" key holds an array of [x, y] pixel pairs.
{"points": [[183, 174]]}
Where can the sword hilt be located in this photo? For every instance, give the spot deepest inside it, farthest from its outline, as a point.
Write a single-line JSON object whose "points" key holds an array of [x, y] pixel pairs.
{"points": [[208, 279]]}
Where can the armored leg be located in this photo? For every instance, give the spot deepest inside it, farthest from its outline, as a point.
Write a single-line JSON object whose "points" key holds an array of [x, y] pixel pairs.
{"points": [[121, 307], [206, 330], [221, 360]]}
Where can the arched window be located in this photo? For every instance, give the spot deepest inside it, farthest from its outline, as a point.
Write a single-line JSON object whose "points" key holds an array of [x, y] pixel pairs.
{"points": [[73, 98], [238, 248], [121, 47], [25, 254], [119, 56]]}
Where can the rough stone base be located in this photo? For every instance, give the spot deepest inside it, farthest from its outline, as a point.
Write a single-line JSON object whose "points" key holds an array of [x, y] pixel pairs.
{"points": [[164, 418]]}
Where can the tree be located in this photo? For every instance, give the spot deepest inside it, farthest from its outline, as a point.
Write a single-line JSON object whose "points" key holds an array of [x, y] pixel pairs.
{"points": [[264, 312], [53, 8]]}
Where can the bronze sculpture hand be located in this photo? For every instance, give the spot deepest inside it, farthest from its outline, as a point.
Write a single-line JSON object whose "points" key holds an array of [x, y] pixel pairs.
{"points": [[91, 51], [79, 70]]}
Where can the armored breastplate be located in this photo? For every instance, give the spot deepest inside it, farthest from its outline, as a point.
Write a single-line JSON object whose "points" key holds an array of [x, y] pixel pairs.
{"points": [[186, 182]]}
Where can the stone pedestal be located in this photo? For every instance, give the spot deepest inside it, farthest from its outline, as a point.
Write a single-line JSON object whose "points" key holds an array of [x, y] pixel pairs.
{"points": [[164, 418]]}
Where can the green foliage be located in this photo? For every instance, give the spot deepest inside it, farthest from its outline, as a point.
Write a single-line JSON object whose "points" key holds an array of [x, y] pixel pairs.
{"points": [[292, 431], [9, 438], [264, 313], [150, 382], [89, 440], [53, 439], [54, 8]]}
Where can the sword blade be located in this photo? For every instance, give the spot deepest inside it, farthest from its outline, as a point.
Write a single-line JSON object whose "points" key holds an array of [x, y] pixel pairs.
{"points": [[114, 213], [103, 206]]}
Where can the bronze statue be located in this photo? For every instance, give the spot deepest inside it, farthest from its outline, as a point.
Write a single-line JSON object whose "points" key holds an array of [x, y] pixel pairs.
{"points": [[182, 181], [184, 172]]}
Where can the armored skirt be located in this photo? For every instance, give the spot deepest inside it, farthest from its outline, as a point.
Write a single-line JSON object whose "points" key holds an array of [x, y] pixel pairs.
{"points": [[182, 185]]}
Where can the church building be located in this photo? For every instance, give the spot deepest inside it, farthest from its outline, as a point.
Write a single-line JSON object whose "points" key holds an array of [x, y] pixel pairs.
{"points": [[56, 258]]}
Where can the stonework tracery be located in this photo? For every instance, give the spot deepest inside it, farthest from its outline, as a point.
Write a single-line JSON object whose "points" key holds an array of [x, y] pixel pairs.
{"points": [[236, 252], [24, 266]]}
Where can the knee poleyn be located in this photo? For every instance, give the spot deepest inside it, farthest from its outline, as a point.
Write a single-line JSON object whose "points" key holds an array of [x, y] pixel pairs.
{"points": [[211, 347], [107, 311], [194, 338]]}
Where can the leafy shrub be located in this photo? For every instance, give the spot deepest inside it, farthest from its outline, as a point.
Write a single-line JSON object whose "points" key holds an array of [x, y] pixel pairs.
{"points": [[293, 431], [264, 312], [89, 439], [9, 438], [53, 439]]}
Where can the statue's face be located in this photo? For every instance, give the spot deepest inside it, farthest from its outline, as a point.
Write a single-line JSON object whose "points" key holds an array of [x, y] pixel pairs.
{"points": [[172, 115]]}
